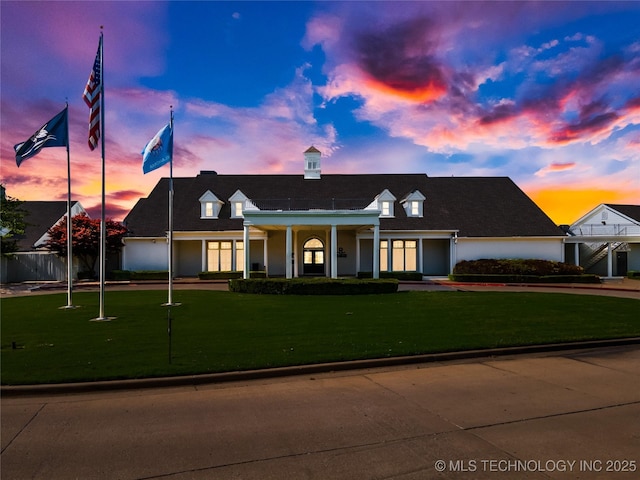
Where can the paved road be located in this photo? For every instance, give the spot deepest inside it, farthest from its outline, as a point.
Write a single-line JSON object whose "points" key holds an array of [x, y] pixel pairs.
{"points": [[563, 415]]}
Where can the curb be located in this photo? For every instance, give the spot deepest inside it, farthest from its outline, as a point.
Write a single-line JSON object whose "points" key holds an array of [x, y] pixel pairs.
{"points": [[246, 375], [560, 286]]}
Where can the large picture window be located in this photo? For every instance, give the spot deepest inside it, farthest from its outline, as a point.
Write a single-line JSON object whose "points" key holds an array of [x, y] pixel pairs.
{"points": [[220, 256], [404, 256]]}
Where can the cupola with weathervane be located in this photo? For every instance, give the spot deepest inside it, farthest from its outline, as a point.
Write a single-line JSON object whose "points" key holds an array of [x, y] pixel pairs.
{"points": [[312, 163]]}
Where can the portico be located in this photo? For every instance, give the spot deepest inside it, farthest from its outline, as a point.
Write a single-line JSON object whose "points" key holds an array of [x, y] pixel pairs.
{"points": [[322, 225]]}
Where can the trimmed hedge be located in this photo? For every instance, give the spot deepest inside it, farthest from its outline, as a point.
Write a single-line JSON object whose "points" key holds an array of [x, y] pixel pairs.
{"points": [[229, 275], [497, 278], [407, 276], [634, 274], [519, 271], [141, 275], [516, 267], [312, 286]]}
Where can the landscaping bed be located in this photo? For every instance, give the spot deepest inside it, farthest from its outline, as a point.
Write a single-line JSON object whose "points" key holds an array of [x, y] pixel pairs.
{"points": [[520, 271], [313, 286]]}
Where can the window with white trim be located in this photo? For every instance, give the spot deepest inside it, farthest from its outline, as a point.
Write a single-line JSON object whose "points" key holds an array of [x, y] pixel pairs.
{"points": [[384, 256], [209, 205], [384, 202], [237, 210], [238, 203], [404, 256], [414, 204], [239, 256]]}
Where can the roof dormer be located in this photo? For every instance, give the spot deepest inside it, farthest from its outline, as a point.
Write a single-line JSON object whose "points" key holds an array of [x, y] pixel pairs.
{"points": [[210, 205], [385, 203], [239, 203], [414, 204], [312, 163]]}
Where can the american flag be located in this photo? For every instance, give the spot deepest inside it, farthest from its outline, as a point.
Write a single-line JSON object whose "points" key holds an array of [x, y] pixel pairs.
{"points": [[91, 97]]}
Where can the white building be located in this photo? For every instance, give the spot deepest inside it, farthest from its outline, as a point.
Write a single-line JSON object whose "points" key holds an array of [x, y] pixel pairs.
{"points": [[336, 225], [606, 241]]}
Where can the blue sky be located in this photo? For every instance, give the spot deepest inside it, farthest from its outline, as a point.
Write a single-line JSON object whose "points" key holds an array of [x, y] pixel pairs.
{"points": [[545, 93]]}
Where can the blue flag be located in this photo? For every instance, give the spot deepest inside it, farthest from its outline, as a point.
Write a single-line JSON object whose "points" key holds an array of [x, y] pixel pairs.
{"points": [[51, 134], [159, 150]]}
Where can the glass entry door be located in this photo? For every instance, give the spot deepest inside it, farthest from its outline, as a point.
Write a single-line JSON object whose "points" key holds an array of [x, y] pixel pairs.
{"points": [[313, 257]]}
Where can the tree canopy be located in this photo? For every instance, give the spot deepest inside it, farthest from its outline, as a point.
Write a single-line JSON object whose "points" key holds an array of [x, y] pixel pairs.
{"points": [[85, 239], [12, 222]]}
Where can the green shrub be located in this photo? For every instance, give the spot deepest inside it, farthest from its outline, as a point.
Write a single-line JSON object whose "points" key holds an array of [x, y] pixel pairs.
{"points": [[229, 275], [499, 278], [312, 286], [634, 274], [150, 275], [407, 276], [119, 275], [516, 267]]}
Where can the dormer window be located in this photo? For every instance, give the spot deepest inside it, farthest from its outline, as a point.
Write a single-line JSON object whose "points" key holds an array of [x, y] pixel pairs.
{"points": [[385, 203], [237, 210], [239, 203], [210, 205], [208, 209], [414, 204]]}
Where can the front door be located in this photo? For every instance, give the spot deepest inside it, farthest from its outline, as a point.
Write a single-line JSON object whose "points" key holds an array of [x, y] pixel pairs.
{"points": [[621, 264], [313, 257]]}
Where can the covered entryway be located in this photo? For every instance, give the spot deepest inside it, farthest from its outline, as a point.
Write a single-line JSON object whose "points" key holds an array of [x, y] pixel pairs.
{"points": [[313, 257], [318, 257]]}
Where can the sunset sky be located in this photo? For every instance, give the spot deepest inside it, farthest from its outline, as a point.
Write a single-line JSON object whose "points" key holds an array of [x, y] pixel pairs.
{"points": [[547, 93]]}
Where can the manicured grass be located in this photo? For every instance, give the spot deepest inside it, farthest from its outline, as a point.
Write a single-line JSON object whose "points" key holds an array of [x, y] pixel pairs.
{"points": [[222, 331]]}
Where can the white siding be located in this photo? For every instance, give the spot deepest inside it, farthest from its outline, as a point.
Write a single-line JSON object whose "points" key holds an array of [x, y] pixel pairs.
{"points": [[145, 254], [543, 248]]}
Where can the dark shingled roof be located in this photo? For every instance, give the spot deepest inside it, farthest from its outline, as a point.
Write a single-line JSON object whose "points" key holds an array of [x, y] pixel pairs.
{"points": [[39, 217], [476, 206], [631, 211]]}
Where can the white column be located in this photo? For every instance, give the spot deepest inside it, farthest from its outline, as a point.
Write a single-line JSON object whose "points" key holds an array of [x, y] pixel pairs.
{"points": [[265, 255], [327, 254], [288, 252], [247, 253], [334, 251], [609, 260], [357, 254], [420, 261], [453, 242], [296, 254], [576, 253], [204, 256], [376, 251]]}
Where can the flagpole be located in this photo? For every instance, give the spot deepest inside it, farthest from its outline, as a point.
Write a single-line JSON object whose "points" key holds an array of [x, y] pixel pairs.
{"points": [[69, 225], [103, 227], [170, 292], [170, 299], [102, 216]]}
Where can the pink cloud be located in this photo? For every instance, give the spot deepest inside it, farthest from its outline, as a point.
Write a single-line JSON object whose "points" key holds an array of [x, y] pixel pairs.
{"points": [[556, 167]]}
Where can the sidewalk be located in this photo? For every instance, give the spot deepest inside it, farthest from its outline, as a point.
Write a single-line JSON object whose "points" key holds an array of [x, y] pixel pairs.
{"points": [[563, 415], [619, 286]]}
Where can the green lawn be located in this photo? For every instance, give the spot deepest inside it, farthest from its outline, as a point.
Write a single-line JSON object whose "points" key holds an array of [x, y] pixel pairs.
{"points": [[222, 331]]}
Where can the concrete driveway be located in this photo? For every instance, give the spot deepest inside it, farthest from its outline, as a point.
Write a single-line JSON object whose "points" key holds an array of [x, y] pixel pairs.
{"points": [[562, 415]]}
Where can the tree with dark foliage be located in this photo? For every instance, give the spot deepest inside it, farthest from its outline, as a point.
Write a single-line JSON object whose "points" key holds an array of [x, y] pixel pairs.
{"points": [[12, 222], [85, 239]]}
